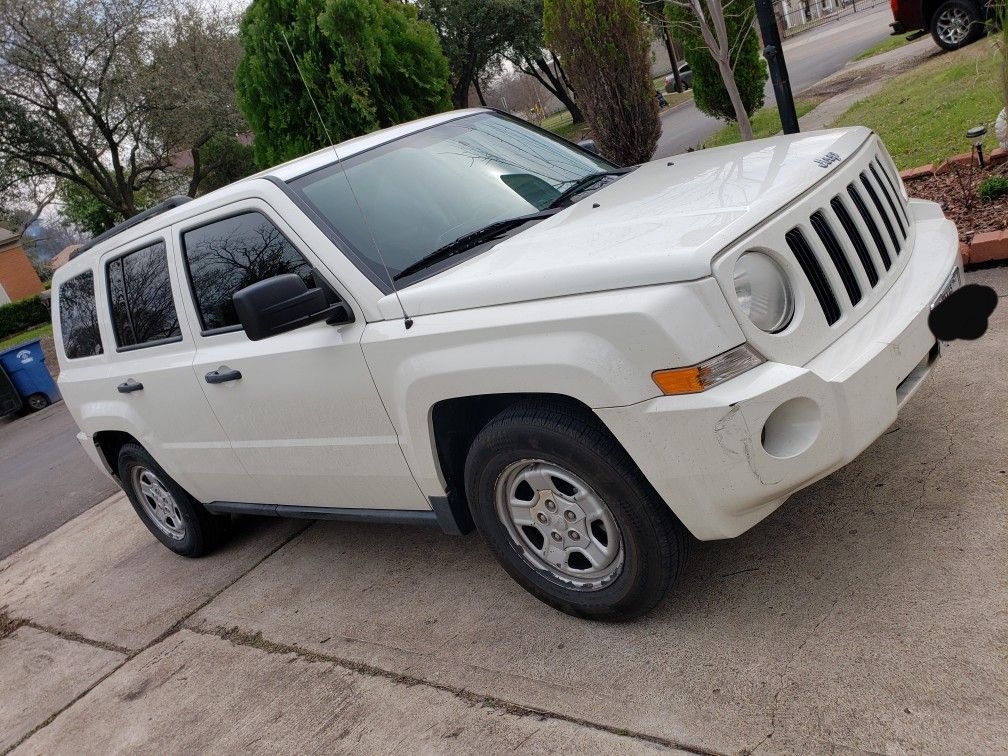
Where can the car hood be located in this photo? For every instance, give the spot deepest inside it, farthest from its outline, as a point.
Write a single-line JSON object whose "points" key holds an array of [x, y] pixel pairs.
{"points": [[661, 223]]}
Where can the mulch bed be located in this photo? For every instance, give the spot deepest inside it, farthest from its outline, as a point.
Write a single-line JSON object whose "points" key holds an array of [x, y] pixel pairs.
{"points": [[956, 191]]}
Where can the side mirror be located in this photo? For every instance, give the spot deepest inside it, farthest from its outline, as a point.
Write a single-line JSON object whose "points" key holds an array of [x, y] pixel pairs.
{"points": [[283, 303], [589, 145]]}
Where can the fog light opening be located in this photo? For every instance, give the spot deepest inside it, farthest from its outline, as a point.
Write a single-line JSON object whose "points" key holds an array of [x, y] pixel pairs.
{"points": [[791, 428]]}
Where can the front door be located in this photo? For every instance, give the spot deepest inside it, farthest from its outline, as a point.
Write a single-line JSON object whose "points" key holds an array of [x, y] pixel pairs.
{"points": [[301, 410]]}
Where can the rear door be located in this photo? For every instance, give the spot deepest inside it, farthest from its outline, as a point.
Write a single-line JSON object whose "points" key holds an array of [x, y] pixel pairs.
{"points": [[150, 382], [301, 408]]}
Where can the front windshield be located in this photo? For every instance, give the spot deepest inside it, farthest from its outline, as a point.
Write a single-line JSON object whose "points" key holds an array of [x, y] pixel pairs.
{"points": [[423, 191]]}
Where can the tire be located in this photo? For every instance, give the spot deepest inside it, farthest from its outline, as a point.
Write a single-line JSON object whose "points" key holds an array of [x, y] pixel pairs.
{"points": [[173, 516], [956, 23], [532, 442], [36, 402]]}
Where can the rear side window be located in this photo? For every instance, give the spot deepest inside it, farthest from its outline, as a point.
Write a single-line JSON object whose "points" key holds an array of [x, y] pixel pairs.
{"points": [[232, 253], [79, 317], [143, 311]]}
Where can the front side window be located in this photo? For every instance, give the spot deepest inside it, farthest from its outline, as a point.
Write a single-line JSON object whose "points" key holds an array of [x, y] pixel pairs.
{"points": [[79, 317], [232, 253], [143, 310], [399, 202]]}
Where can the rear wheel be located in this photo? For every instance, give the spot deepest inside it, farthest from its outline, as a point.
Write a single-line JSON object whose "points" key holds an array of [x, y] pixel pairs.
{"points": [[174, 517], [956, 23], [569, 516]]}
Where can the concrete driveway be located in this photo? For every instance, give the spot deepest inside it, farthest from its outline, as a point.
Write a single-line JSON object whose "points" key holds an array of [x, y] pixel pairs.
{"points": [[868, 615]]}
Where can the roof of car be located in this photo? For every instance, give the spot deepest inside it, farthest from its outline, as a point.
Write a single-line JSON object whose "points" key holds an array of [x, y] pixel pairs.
{"points": [[285, 172]]}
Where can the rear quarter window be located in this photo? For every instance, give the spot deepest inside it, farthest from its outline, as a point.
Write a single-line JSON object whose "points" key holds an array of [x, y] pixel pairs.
{"points": [[79, 317]]}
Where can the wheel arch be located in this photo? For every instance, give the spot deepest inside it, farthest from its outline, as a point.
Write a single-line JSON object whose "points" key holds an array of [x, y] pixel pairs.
{"points": [[456, 421]]}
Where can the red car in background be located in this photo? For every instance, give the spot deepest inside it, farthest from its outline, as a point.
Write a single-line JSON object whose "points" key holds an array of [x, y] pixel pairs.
{"points": [[952, 23]]}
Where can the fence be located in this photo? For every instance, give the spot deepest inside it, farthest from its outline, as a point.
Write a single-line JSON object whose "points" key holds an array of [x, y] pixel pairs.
{"points": [[796, 16]]}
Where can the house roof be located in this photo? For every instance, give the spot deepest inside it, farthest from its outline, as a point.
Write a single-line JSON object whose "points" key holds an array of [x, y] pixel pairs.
{"points": [[7, 237], [63, 256]]}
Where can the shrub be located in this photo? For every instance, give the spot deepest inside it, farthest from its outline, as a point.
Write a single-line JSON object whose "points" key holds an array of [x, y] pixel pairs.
{"points": [[750, 69], [605, 48], [367, 63], [20, 316], [993, 187]]}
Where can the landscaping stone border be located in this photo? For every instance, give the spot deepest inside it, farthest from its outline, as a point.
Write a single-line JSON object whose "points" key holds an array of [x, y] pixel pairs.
{"points": [[989, 246]]}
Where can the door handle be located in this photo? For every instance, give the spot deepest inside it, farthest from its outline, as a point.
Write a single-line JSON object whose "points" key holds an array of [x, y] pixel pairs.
{"points": [[217, 376], [130, 386]]}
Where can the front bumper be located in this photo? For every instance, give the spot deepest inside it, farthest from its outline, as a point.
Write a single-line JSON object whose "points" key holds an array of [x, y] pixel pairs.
{"points": [[707, 454]]}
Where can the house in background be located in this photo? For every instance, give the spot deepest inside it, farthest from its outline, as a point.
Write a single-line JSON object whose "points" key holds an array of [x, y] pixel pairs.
{"points": [[63, 257], [18, 279]]}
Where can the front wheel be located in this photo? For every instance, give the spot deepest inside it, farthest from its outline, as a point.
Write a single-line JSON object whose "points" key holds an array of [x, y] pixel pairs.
{"points": [[569, 516], [956, 23]]}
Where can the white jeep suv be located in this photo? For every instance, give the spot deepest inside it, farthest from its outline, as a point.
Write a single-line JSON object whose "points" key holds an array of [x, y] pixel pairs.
{"points": [[466, 320]]}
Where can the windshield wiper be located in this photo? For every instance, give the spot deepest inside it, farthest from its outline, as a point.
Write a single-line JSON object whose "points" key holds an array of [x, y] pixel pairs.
{"points": [[583, 183], [470, 240]]}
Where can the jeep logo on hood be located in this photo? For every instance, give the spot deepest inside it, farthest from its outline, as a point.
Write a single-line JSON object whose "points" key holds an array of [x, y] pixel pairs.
{"points": [[827, 160]]}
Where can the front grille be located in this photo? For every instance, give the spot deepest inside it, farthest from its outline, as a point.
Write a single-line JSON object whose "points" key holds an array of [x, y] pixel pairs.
{"points": [[854, 240]]}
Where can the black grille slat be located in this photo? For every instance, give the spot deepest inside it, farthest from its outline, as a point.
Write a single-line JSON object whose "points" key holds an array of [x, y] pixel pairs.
{"points": [[856, 240], [869, 221], [887, 168], [881, 211], [814, 273], [836, 253], [886, 191]]}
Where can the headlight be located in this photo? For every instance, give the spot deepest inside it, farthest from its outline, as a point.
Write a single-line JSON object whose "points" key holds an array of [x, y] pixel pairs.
{"points": [[763, 291]]}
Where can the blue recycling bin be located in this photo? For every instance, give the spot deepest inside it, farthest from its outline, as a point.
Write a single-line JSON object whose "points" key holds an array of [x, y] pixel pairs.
{"points": [[26, 368]]}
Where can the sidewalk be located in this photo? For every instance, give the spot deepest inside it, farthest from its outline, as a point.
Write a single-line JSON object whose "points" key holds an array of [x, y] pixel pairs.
{"points": [[862, 78], [867, 614]]}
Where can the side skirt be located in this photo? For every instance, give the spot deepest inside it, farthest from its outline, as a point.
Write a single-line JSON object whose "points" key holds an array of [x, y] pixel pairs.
{"points": [[451, 517]]}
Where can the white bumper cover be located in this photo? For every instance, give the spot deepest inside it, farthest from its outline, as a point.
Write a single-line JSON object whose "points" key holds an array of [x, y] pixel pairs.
{"points": [[707, 454]]}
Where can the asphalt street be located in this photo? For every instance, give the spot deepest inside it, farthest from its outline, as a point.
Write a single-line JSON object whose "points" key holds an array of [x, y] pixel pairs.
{"points": [[811, 57], [45, 477]]}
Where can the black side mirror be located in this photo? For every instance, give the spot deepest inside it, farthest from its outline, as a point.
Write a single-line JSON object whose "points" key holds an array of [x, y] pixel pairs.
{"points": [[589, 145], [283, 303]]}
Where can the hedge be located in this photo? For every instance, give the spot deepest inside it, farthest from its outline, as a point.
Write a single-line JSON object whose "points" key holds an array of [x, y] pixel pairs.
{"points": [[20, 316]]}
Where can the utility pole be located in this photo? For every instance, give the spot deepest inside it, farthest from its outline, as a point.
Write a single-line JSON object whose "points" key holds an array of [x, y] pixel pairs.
{"points": [[774, 55]]}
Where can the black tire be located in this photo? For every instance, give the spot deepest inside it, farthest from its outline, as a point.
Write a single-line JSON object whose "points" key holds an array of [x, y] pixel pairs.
{"points": [[201, 531], [959, 10], [654, 541], [36, 402]]}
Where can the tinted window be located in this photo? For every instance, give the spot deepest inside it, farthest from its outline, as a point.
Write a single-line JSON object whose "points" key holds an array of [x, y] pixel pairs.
{"points": [[141, 297], [231, 254], [79, 317]]}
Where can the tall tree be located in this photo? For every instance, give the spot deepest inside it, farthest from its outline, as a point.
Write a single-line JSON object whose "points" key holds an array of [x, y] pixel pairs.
{"points": [[366, 63], [72, 104], [474, 34], [723, 52], [190, 85], [605, 48], [654, 12], [529, 54]]}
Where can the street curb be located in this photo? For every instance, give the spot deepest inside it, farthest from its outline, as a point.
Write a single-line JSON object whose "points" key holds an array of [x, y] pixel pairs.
{"points": [[677, 106]]}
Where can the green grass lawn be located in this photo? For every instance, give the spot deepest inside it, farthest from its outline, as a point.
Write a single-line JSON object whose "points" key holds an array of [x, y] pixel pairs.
{"points": [[33, 333], [887, 44], [765, 122], [923, 114]]}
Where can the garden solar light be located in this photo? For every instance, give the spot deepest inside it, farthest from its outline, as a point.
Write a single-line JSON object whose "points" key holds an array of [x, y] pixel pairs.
{"points": [[976, 136]]}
